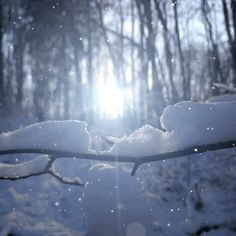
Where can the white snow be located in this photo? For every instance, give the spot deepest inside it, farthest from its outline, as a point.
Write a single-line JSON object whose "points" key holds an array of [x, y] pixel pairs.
{"points": [[186, 124], [34, 166], [54, 135], [71, 136], [145, 141]]}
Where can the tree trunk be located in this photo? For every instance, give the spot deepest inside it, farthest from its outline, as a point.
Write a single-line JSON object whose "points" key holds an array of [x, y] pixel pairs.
{"points": [[181, 58], [232, 42], [233, 9], [19, 54], [90, 65], [168, 54], [2, 97], [143, 73], [64, 77], [214, 55]]}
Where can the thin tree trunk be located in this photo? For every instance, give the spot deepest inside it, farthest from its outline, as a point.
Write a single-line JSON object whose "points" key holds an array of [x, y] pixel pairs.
{"points": [[90, 64], [215, 53], [107, 42], [19, 53], [168, 54], [79, 91], [233, 9], [232, 42], [2, 97], [157, 89], [77, 45], [181, 61], [64, 77], [123, 79], [143, 75], [132, 57]]}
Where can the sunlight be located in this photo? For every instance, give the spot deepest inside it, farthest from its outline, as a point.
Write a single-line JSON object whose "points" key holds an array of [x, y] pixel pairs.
{"points": [[111, 100]]}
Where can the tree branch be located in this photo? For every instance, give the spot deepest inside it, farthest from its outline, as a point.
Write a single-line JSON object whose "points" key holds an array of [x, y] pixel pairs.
{"points": [[38, 166], [224, 87], [54, 154]]}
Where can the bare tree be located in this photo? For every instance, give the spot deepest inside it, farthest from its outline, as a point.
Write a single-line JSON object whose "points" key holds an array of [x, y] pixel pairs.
{"points": [[157, 90], [1, 56], [168, 54], [185, 84], [231, 38], [214, 53]]}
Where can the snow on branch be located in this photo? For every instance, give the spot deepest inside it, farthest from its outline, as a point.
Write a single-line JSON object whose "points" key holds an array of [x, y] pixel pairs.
{"points": [[39, 165], [33, 167], [190, 128]]}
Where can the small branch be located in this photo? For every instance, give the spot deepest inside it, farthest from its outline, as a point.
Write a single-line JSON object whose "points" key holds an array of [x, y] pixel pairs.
{"points": [[38, 166], [74, 155], [135, 168], [224, 87], [130, 40], [48, 168], [189, 151]]}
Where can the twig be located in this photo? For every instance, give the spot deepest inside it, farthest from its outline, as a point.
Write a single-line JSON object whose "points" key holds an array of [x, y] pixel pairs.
{"points": [[186, 152], [224, 87]]}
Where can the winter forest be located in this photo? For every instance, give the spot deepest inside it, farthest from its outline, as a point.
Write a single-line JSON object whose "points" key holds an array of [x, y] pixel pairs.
{"points": [[96, 60], [117, 118]]}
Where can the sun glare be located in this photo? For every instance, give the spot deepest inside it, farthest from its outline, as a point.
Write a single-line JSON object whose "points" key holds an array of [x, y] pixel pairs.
{"points": [[111, 100]]}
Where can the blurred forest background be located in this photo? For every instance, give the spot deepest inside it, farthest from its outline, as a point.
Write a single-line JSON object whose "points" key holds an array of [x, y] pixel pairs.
{"points": [[105, 59]]}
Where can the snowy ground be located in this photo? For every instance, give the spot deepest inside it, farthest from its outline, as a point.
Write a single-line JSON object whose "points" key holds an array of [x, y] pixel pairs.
{"points": [[184, 196]]}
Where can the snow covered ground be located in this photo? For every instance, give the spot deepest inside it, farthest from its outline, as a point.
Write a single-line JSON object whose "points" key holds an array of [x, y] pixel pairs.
{"points": [[184, 196]]}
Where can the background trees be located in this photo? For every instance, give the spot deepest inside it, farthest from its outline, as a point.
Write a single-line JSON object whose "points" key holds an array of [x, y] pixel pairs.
{"points": [[65, 59]]}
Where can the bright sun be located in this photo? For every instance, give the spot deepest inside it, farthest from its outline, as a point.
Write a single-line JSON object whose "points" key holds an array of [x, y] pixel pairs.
{"points": [[111, 100]]}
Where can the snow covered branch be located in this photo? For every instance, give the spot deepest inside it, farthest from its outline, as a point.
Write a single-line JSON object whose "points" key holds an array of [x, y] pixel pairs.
{"points": [[41, 165], [44, 164], [190, 128]]}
